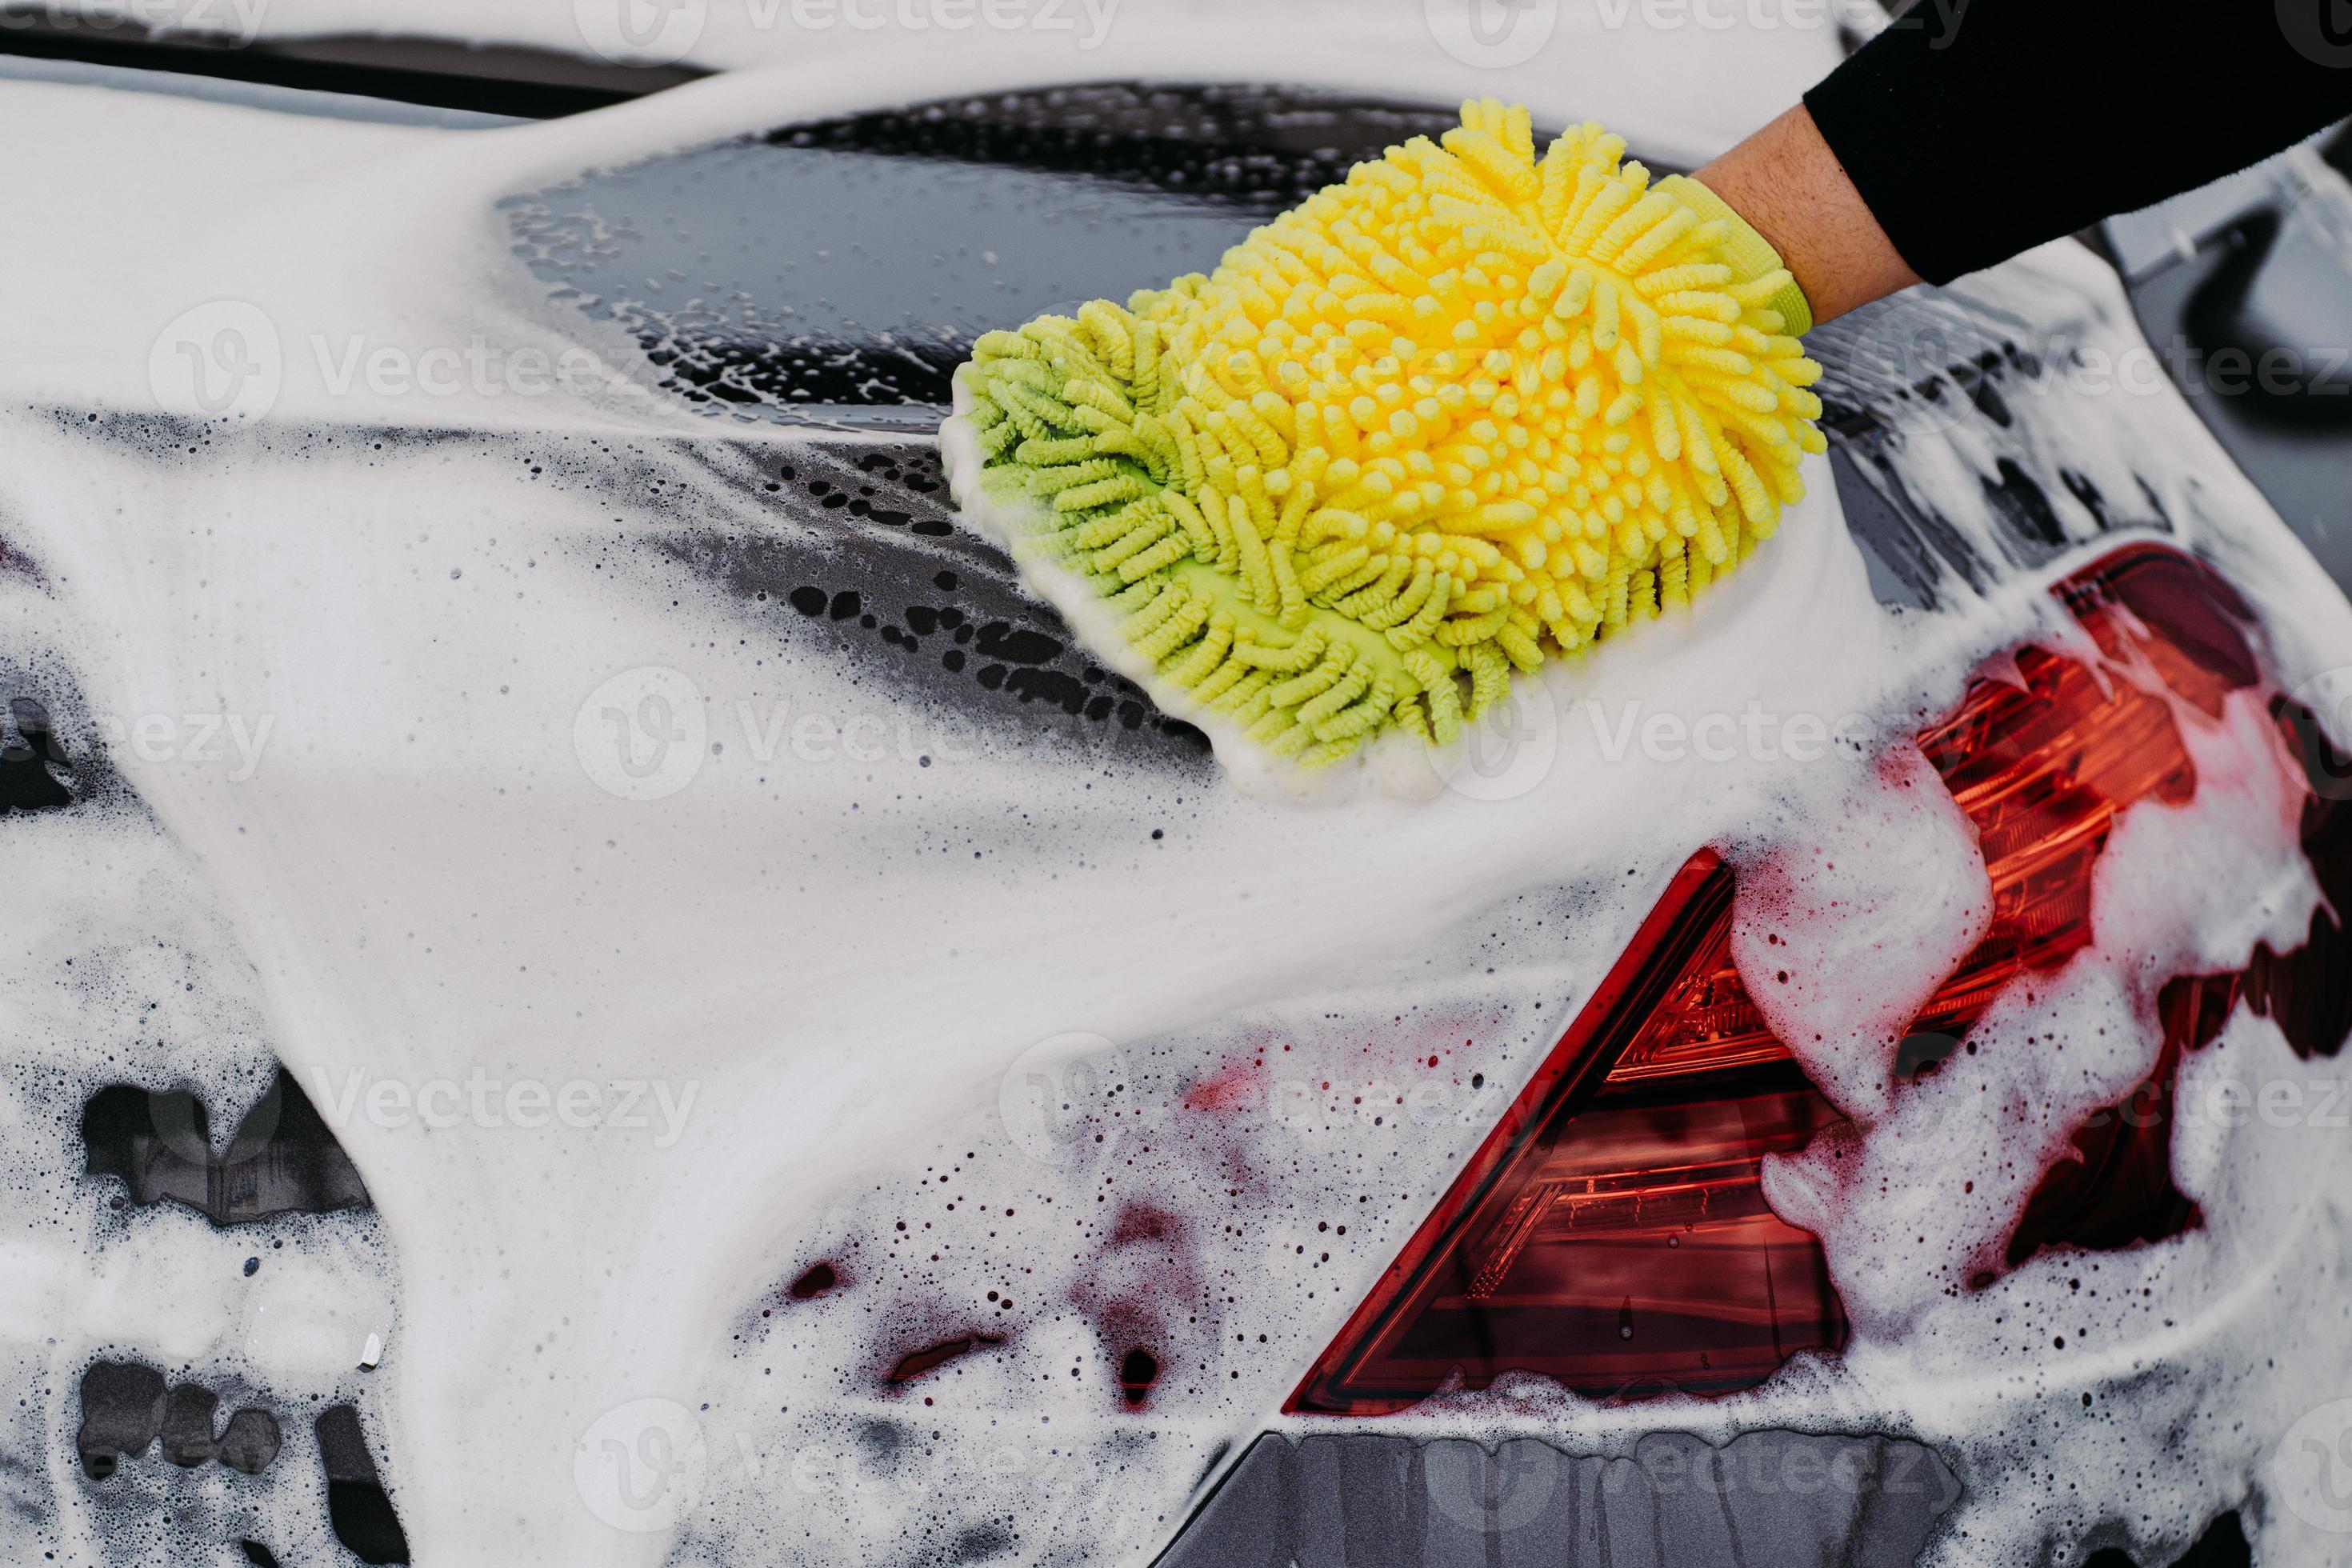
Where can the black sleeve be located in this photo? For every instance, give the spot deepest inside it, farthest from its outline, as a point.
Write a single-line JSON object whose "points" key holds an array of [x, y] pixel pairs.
{"points": [[1976, 129]]}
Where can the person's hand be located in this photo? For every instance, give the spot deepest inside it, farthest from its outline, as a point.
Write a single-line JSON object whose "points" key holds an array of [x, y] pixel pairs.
{"points": [[1790, 188]]}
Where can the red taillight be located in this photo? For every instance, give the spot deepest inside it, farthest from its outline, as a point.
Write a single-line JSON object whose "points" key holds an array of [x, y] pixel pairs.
{"points": [[2042, 771], [1611, 1234]]}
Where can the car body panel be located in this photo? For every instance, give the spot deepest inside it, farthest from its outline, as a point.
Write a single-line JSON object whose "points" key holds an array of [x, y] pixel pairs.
{"points": [[1969, 472]]}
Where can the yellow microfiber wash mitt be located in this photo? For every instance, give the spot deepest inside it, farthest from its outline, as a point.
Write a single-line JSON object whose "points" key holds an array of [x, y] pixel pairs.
{"points": [[1464, 410]]}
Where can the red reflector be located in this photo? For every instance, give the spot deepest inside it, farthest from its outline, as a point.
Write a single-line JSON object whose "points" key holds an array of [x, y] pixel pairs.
{"points": [[2042, 771], [1611, 1234]]}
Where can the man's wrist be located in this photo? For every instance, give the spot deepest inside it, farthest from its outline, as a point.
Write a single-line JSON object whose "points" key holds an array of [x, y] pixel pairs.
{"points": [[1790, 186], [1751, 256]]}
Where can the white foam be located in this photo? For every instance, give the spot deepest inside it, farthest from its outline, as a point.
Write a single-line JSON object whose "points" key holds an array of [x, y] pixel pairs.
{"points": [[1842, 940], [843, 960], [1685, 81]]}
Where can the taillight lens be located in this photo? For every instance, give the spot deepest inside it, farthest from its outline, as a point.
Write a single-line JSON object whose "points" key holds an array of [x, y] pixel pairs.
{"points": [[1611, 1234]]}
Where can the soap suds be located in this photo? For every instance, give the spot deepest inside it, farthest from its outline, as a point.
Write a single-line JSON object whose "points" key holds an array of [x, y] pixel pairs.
{"points": [[423, 882], [1843, 940]]}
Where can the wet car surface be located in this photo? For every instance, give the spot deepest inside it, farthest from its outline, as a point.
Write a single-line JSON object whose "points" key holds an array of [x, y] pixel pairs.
{"points": [[848, 324]]}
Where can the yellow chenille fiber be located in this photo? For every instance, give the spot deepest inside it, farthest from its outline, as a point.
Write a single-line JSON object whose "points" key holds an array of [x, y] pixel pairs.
{"points": [[1462, 412]]}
